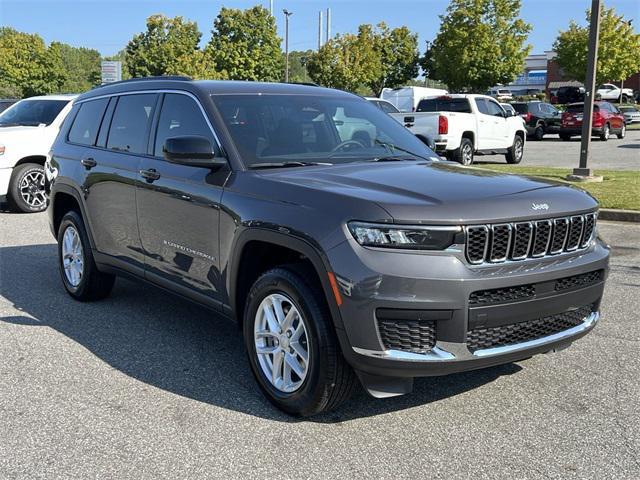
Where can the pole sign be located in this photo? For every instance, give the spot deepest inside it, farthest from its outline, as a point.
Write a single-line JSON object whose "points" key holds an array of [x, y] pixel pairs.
{"points": [[111, 71]]}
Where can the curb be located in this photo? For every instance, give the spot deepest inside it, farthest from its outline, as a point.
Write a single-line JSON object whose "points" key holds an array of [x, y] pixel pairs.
{"points": [[619, 215]]}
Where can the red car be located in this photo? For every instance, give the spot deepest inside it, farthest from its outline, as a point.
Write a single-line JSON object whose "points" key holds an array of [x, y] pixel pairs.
{"points": [[607, 120]]}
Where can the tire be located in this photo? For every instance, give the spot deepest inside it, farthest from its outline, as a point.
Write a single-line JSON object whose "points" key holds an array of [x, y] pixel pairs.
{"points": [[26, 189], [516, 151], [464, 153], [89, 284], [328, 379], [538, 133], [606, 133], [565, 137], [623, 132]]}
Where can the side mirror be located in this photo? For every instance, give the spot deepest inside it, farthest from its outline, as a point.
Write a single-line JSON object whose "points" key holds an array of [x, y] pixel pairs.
{"points": [[191, 150]]}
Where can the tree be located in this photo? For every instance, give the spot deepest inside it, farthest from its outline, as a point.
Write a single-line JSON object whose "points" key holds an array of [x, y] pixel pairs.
{"points": [[298, 66], [83, 65], [397, 57], [245, 45], [480, 44], [345, 62], [618, 50], [27, 66], [169, 46]]}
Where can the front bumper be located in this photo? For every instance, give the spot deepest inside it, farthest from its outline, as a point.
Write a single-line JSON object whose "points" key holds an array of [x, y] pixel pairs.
{"points": [[442, 282]]}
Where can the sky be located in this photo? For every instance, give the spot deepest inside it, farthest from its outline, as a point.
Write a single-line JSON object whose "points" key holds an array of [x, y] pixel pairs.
{"points": [[107, 25]]}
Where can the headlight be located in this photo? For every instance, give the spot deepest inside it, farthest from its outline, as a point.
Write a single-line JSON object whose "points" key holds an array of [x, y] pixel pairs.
{"points": [[1, 149], [409, 237]]}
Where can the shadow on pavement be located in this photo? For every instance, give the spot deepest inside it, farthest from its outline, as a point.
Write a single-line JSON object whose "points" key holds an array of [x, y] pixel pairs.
{"points": [[177, 346], [630, 145]]}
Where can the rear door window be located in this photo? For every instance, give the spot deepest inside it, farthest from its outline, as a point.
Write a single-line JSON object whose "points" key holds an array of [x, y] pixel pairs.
{"points": [[130, 123], [86, 124]]}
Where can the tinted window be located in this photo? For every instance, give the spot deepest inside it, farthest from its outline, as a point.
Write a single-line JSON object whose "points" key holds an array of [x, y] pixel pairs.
{"points": [[482, 106], [520, 107], [444, 105], [32, 112], [387, 107], [131, 119], [180, 115], [87, 122]]}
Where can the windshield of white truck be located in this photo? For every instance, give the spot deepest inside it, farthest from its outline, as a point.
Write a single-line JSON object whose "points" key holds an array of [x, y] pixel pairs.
{"points": [[32, 113], [298, 130], [441, 104]]}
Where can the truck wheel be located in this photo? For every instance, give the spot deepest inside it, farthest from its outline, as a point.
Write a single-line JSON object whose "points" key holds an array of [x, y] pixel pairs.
{"points": [[516, 151], [464, 153], [78, 270], [26, 189], [292, 346], [623, 132], [538, 133], [606, 132]]}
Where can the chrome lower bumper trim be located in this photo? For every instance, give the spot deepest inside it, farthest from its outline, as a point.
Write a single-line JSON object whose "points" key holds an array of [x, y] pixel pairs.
{"points": [[450, 352]]}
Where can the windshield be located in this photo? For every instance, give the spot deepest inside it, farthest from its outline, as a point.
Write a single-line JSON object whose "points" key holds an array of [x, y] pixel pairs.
{"points": [[296, 129], [32, 112]]}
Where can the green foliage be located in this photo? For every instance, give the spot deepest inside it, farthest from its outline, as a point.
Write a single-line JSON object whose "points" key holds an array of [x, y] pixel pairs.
{"points": [[298, 66], [245, 45], [169, 46], [396, 59], [82, 65], [27, 66], [618, 50], [481, 43]]}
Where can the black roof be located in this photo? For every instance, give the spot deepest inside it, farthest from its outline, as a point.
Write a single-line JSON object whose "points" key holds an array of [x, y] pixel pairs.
{"points": [[209, 87]]}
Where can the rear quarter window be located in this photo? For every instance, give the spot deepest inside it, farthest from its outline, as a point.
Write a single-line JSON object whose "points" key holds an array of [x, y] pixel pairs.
{"points": [[86, 124]]}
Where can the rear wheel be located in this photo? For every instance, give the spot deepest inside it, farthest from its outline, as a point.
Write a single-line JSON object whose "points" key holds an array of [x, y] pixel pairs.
{"points": [[26, 189], [515, 153], [623, 132], [292, 346], [78, 270], [606, 133], [464, 153], [565, 137]]}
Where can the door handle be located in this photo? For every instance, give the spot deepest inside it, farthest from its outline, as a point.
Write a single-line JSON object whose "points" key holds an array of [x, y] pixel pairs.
{"points": [[88, 163], [150, 175]]}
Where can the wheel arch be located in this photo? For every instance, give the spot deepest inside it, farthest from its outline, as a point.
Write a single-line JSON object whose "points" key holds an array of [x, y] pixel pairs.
{"points": [[37, 159], [63, 199], [471, 136]]}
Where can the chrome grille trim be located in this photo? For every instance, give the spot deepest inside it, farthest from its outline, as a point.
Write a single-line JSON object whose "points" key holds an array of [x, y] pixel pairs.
{"points": [[556, 235]]}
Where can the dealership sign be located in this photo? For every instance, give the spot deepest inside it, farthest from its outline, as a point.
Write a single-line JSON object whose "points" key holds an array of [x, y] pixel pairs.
{"points": [[111, 72]]}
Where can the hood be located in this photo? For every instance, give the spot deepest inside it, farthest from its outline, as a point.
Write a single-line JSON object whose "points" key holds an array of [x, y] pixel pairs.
{"points": [[17, 132], [442, 192]]}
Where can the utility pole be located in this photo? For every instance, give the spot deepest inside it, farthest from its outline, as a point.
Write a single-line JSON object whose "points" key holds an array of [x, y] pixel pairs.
{"points": [[328, 37], [319, 29], [287, 14], [584, 172], [271, 7]]}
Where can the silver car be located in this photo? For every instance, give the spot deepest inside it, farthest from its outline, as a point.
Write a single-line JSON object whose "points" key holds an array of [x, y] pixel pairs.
{"points": [[631, 114]]}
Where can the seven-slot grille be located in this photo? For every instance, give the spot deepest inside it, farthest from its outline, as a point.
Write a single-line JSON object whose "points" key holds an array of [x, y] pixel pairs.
{"points": [[517, 241]]}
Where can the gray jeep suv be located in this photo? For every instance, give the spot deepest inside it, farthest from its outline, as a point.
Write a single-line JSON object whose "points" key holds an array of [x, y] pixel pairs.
{"points": [[344, 248]]}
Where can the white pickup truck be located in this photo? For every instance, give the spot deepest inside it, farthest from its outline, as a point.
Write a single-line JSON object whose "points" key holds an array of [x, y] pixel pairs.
{"points": [[462, 126]]}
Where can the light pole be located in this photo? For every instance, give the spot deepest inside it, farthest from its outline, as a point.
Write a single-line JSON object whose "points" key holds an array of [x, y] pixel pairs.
{"points": [[287, 14]]}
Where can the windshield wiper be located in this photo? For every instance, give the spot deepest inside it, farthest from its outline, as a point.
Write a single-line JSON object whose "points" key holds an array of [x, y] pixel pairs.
{"points": [[257, 166], [391, 147], [392, 159]]}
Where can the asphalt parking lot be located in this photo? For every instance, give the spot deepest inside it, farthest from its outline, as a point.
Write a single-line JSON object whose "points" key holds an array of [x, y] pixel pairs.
{"points": [[145, 385], [614, 154]]}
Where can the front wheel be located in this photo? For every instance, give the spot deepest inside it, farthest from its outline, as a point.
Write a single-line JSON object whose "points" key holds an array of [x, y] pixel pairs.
{"points": [[623, 132], [78, 270], [515, 153], [292, 346], [26, 189]]}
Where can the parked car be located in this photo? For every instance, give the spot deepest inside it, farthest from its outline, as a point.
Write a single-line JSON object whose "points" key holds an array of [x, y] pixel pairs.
{"points": [[342, 262], [540, 118], [6, 103], [384, 105], [631, 114], [464, 125], [406, 99], [570, 95], [27, 131], [607, 120], [609, 91], [507, 107], [500, 94]]}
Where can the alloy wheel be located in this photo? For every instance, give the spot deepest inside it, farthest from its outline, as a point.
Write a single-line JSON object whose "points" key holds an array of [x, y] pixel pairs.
{"points": [[72, 256], [32, 189], [467, 154], [281, 342]]}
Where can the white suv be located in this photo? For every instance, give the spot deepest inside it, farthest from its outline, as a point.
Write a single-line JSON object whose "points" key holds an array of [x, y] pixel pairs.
{"points": [[27, 131]]}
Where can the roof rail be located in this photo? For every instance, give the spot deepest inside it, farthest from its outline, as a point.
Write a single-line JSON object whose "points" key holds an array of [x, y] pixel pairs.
{"points": [[309, 84], [144, 79]]}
